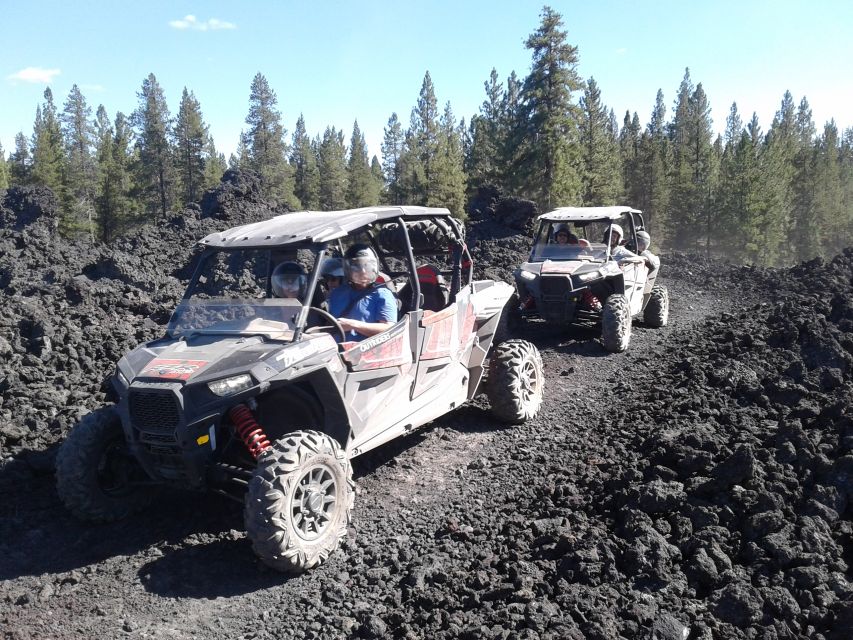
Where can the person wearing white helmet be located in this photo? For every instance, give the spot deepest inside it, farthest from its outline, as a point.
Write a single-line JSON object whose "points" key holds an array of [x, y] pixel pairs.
{"points": [[618, 251], [362, 308], [644, 240]]}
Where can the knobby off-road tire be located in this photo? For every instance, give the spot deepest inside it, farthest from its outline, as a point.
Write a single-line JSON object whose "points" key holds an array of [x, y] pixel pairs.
{"points": [[299, 501], [423, 234], [96, 477], [616, 323], [515, 381], [656, 313]]}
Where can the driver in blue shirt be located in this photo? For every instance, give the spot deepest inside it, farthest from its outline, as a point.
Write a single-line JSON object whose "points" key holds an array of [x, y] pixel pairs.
{"points": [[362, 308]]}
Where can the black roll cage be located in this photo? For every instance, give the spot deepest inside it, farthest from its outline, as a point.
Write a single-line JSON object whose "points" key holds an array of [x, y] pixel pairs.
{"points": [[452, 231]]}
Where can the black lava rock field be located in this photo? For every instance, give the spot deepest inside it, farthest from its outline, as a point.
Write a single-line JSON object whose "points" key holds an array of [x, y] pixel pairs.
{"points": [[698, 486]]}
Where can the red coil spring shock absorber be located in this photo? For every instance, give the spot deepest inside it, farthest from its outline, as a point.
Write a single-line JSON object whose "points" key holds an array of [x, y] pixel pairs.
{"points": [[249, 430]]}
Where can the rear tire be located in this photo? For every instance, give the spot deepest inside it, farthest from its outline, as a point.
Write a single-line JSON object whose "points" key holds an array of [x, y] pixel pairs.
{"points": [[515, 382], [656, 313], [299, 502], [616, 323], [96, 476]]}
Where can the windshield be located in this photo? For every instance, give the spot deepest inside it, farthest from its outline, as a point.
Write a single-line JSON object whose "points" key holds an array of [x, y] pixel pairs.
{"points": [[235, 292], [570, 241]]}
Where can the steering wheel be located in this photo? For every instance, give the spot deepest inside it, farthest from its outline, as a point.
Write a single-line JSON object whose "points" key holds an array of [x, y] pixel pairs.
{"points": [[334, 326]]}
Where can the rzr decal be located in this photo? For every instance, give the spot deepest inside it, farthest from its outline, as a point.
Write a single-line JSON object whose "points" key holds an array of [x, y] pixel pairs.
{"points": [[172, 369]]}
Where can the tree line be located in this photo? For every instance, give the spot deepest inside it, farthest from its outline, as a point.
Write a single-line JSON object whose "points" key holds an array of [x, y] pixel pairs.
{"points": [[774, 197]]}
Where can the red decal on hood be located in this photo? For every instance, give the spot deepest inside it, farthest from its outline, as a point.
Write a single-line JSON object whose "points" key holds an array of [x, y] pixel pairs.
{"points": [[172, 369]]}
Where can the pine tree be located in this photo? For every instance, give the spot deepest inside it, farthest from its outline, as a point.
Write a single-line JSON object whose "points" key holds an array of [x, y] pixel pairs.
{"points": [[214, 164], [690, 171], [447, 186], [600, 177], [117, 207], [484, 159], [79, 178], [151, 121], [831, 221], [331, 164], [653, 192], [361, 187], [378, 178], [20, 162], [4, 170], [548, 157], [392, 151], [240, 158], [512, 132], [424, 130], [191, 136], [265, 143], [629, 158], [804, 236], [303, 159], [781, 149], [48, 158]]}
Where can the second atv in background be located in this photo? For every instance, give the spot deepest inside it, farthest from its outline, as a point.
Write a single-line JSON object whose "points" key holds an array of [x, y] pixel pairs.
{"points": [[583, 269]]}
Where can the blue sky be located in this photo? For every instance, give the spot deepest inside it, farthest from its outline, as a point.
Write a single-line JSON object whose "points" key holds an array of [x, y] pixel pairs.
{"points": [[337, 61]]}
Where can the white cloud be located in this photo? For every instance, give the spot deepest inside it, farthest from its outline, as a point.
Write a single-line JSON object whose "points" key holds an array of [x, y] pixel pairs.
{"points": [[191, 22], [35, 75], [621, 51]]}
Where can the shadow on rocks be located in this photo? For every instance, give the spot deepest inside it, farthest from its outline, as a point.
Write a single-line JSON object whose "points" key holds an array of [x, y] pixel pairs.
{"points": [[38, 535], [208, 567]]}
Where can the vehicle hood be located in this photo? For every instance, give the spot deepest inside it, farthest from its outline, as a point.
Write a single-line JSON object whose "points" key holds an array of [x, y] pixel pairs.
{"points": [[204, 358]]}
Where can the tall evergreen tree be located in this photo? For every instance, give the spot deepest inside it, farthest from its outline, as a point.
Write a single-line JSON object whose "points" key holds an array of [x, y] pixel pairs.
{"points": [[651, 192], [424, 130], [266, 145], [152, 123], [547, 162], [79, 178], [4, 170], [781, 150], [484, 162], [412, 182], [378, 178], [690, 135], [303, 159], [214, 164], [804, 237], [20, 161], [600, 177], [831, 220], [392, 151], [512, 135], [447, 186], [362, 190], [629, 158], [191, 136], [331, 164], [117, 203], [48, 157]]}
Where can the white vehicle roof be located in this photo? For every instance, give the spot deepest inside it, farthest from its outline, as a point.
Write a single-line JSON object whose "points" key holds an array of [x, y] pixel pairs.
{"points": [[569, 214], [311, 226]]}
